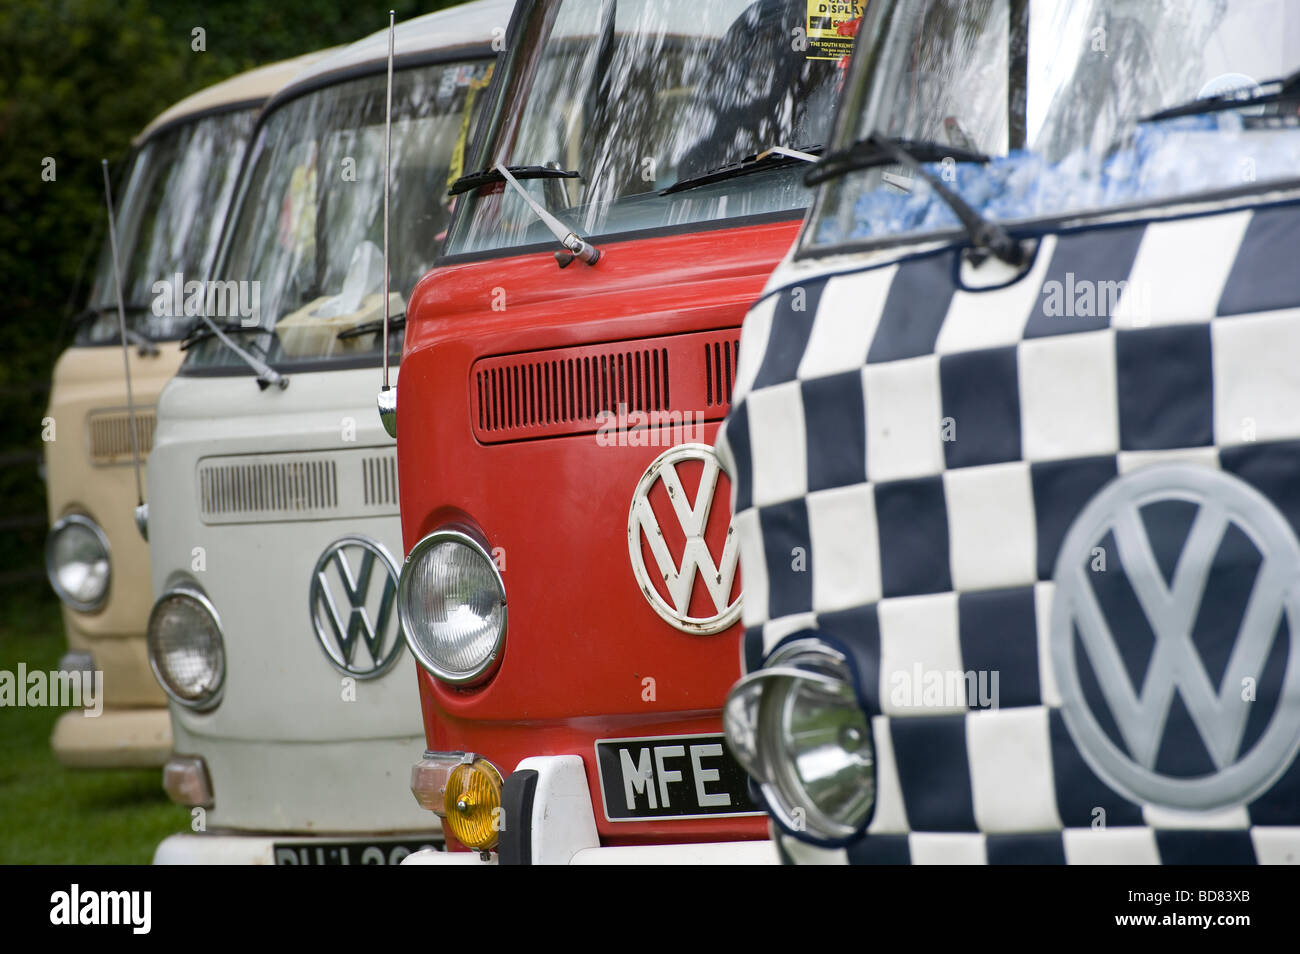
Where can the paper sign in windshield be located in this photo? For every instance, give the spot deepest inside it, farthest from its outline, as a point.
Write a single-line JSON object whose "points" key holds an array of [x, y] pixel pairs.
{"points": [[826, 40]]}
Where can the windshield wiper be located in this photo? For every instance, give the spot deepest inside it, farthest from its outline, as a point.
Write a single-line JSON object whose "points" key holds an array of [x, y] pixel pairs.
{"points": [[490, 175], [775, 157], [574, 244], [1285, 88], [141, 340], [369, 327], [878, 150], [210, 329]]}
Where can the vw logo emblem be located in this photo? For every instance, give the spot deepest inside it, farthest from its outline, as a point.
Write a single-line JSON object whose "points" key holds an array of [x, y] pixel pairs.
{"points": [[1173, 638], [693, 525], [353, 608]]}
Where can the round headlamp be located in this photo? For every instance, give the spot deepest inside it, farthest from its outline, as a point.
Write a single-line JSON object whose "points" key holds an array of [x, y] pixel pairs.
{"points": [[76, 561], [796, 727], [186, 648], [452, 604]]}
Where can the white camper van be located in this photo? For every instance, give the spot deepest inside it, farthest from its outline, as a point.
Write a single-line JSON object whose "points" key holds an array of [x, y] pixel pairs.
{"points": [[273, 511], [181, 175], [1015, 446]]}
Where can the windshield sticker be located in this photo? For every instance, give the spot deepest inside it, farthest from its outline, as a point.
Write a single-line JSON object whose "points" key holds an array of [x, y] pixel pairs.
{"points": [[831, 27], [457, 168]]}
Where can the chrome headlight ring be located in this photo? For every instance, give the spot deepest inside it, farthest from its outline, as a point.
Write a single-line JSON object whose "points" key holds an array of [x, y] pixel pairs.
{"points": [[212, 692], [79, 523], [466, 656], [797, 727]]}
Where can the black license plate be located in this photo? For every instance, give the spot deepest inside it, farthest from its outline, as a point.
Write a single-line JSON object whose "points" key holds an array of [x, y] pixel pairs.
{"points": [[345, 852], [674, 776]]}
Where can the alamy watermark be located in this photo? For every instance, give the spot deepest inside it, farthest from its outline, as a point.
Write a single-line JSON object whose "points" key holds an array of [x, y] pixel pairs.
{"points": [[125, 908], [920, 688], [649, 428], [81, 689], [1086, 298], [176, 298]]}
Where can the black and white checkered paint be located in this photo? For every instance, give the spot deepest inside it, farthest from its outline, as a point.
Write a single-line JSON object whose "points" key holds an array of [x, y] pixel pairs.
{"points": [[921, 550]]}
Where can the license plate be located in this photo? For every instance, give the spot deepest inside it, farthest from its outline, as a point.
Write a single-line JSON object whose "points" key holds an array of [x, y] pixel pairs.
{"points": [[345, 852], [672, 776]]}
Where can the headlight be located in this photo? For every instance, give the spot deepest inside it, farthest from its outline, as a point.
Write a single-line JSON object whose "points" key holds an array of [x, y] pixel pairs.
{"points": [[186, 649], [796, 727], [76, 561], [452, 604]]}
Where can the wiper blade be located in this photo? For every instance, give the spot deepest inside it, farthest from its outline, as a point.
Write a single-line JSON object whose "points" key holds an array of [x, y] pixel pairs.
{"points": [[202, 332], [492, 175], [94, 311], [147, 345], [208, 328], [1285, 88], [370, 327], [984, 234], [877, 150], [774, 158], [575, 246]]}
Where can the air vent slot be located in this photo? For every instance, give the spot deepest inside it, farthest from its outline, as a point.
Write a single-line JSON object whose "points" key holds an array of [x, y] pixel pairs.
{"points": [[379, 480], [574, 390], [720, 371], [109, 435]]}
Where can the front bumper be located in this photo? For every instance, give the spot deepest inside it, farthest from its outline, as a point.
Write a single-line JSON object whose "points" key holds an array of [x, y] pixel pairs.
{"points": [[347, 786], [116, 738], [227, 849], [549, 820], [705, 853]]}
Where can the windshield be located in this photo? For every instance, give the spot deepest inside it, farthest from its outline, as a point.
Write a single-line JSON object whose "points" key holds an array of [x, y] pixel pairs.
{"points": [[636, 95], [1057, 93], [303, 261], [169, 219]]}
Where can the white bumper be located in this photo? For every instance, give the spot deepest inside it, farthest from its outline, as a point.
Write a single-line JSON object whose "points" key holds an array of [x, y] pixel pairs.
{"points": [[260, 849], [560, 828]]}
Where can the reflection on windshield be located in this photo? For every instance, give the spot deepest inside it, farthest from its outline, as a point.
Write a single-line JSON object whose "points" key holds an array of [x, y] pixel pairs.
{"points": [[168, 221], [1056, 90], [635, 95], [307, 235]]}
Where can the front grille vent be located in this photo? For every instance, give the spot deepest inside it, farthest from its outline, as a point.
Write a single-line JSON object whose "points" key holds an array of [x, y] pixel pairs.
{"points": [[267, 488], [299, 487], [574, 390], [109, 435]]}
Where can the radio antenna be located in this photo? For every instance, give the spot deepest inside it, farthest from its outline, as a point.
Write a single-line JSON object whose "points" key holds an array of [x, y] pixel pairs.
{"points": [[121, 327], [387, 394]]}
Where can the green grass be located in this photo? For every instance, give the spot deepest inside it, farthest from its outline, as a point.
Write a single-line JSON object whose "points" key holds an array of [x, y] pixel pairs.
{"points": [[50, 814]]}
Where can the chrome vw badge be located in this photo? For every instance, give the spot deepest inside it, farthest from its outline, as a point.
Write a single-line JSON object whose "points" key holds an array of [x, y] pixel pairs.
{"points": [[696, 559], [1173, 638], [350, 604]]}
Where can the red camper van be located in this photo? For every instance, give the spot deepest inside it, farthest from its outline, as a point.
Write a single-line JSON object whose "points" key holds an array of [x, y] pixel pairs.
{"points": [[571, 585]]}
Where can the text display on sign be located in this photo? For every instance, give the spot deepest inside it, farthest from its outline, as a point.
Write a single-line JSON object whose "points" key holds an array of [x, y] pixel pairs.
{"points": [[682, 776], [825, 17]]}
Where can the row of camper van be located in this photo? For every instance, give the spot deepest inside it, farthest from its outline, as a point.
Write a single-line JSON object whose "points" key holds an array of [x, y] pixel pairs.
{"points": [[1009, 438]]}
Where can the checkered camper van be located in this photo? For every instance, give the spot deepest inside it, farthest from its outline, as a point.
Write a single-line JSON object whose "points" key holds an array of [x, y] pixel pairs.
{"points": [[1015, 448]]}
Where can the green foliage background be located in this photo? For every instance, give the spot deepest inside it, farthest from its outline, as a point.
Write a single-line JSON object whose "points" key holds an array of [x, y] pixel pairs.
{"points": [[78, 79]]}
